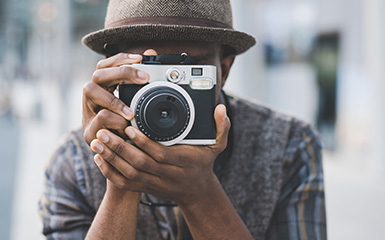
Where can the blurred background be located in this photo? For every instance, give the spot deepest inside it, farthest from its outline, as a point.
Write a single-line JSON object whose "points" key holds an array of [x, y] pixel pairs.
{"points": [[319, 60]]}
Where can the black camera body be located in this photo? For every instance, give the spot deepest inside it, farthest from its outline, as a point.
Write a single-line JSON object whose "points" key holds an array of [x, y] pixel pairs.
{"points": [[176, 106]]}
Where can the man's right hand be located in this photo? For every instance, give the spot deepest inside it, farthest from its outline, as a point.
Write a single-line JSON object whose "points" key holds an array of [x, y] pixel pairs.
{"points": [[101, 108]]}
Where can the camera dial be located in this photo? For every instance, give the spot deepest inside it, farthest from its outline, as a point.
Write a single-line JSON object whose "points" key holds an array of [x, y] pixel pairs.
{"points": [[174, 75]]}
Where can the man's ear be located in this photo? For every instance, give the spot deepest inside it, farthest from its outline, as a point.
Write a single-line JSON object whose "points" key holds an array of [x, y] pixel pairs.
{"points": [[226, 64]]}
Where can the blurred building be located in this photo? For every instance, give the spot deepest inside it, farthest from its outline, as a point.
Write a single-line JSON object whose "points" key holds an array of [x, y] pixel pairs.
{"points": [[42, 68], [41, 46], [320, 61]]}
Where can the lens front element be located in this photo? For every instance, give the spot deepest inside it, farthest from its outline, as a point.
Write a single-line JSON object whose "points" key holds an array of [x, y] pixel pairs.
{"points": [[164, 112]]}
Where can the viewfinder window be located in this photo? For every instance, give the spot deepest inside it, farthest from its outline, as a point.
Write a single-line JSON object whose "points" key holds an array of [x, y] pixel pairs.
{"points": [[196, 71]]}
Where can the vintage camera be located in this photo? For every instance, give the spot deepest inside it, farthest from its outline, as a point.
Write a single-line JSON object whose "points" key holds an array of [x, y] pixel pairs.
{"points": [[176, 106]]}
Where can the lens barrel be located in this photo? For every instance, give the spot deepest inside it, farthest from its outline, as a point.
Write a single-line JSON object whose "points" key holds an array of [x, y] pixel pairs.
{"points": [[162, 113]]}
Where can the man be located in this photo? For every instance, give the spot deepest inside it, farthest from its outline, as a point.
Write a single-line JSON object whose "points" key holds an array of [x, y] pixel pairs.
{"points": [[261, 180]]}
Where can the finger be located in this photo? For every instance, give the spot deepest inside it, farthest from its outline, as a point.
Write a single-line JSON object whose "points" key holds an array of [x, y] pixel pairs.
{"points": [[150, 52], [95, 97], [114, 175], [156, 150], [223, 126], [109, 120], [117, 150], [128, 171], [110, 77], [118, 60], [105, 119]]}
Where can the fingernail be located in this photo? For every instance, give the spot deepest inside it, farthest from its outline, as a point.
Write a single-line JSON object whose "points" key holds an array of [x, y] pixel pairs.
{"points": [[134, 56], [103, 137], [142, 75], [97, 147], [97, 160], [127, 113], [130, 132]]}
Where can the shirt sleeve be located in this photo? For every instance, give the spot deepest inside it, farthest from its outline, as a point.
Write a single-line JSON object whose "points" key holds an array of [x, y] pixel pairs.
{"points": [[300, 210], [63, 207]]}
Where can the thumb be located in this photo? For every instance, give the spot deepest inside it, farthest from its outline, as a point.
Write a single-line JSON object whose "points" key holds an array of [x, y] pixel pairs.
{"points": [[150, 52], [223, 125]]}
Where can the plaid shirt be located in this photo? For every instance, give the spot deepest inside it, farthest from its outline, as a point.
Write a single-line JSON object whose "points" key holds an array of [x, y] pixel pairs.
{"points": [[299, 213]]}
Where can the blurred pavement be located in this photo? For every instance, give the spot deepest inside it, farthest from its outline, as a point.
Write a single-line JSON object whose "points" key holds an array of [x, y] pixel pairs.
{"points": [[355, 199], [9, 148]]}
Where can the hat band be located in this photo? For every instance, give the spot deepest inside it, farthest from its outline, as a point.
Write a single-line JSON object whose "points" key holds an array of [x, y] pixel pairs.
{"points": [[169, 21]]}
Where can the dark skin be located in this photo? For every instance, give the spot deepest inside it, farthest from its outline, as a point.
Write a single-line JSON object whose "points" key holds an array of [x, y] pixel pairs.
{"points": [[180, 173]]}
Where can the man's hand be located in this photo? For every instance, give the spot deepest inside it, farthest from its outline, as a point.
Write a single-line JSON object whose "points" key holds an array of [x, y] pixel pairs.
{"points": [[116, 217], [101, 109], [180, 173]]}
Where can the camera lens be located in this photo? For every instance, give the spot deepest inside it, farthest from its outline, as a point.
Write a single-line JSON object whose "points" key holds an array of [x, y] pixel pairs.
{"points": [[162, 113]]}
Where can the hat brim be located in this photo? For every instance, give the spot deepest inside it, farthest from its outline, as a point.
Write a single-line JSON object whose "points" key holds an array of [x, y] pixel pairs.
{"points": [[239, 41]]}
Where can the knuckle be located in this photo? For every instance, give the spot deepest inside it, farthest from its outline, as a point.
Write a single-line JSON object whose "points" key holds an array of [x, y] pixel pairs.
{"points": [[98, 123], [142, 164], [96, 76], [111, 158], [88, 88], [122, 55], [103, 114], [133, 175], [115, 102], [100, 64], [140, 141], [118, 147], [125, 70], [161, 156]]}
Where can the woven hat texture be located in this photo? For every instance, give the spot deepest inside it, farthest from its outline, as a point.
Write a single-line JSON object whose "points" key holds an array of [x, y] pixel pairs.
{"points": [[191, 20]]}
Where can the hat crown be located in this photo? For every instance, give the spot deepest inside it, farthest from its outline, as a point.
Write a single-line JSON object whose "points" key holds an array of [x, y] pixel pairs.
{"points": [[212, 10]]}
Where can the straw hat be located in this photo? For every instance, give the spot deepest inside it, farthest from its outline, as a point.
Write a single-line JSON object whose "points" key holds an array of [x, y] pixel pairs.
{"points": [[190, 20]]}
